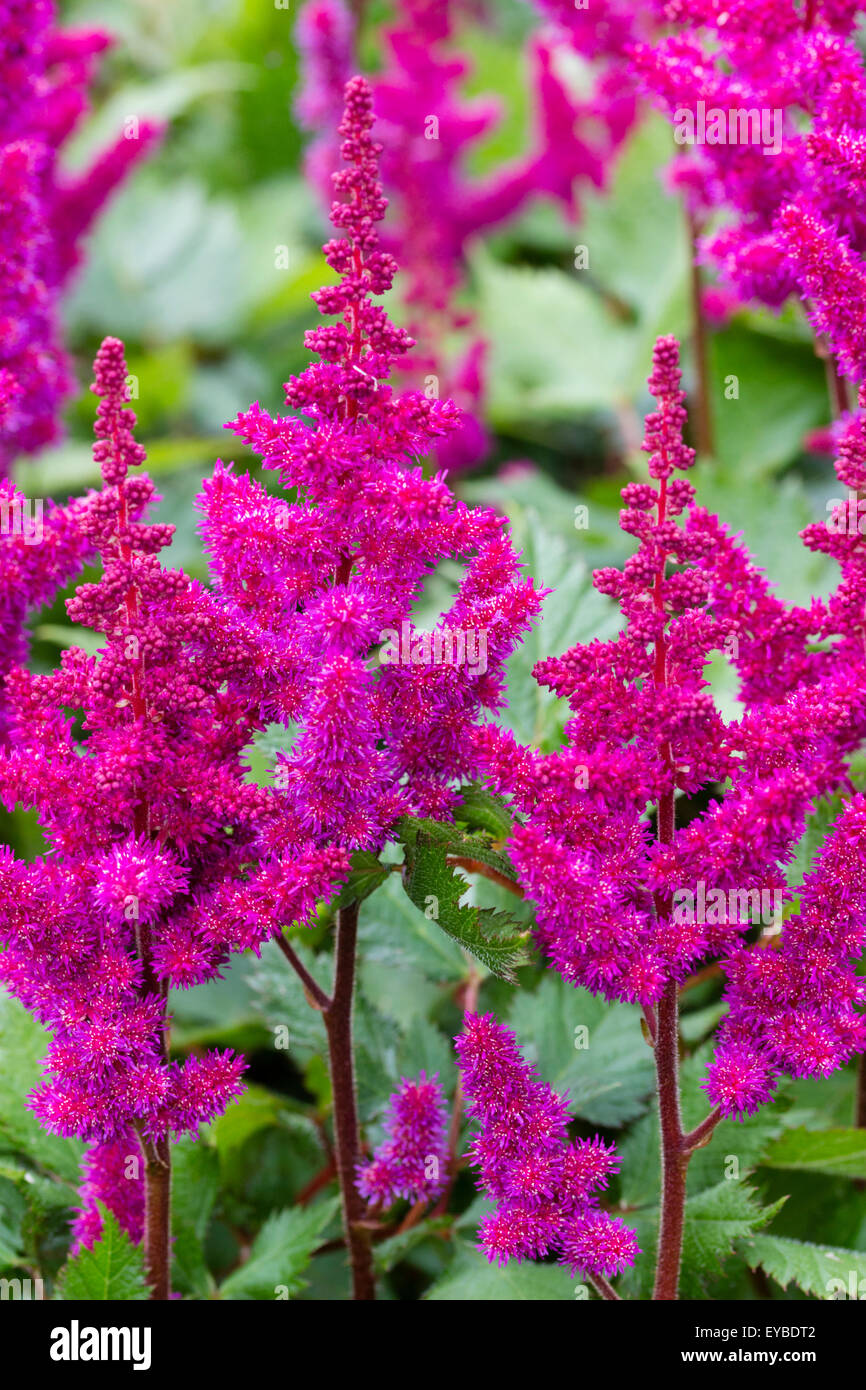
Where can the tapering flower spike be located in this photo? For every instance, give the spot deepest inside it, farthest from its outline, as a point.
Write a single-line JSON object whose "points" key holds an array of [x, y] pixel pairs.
{"points": [[544, 1186], [620, 910], [148, 821], [320, 583], [412, 1162]]}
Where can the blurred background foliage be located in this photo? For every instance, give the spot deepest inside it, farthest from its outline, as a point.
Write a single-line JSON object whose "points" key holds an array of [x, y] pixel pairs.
{"points": [[184, 267]]}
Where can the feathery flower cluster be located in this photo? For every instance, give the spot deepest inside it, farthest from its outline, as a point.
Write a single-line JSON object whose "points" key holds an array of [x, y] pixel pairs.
{"points": [[795, 1010], [623, 910], [44, 212], [412, 1162], [317, 583], [147, 819], [779, 91], [545, 1186]]}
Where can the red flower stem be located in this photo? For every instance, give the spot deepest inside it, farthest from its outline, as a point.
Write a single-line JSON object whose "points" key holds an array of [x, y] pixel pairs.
{"points": [[157, 1152], [837, 386], [702, 1133], [316, 996], [602, 1287], [338, 1021], [666, 1049], [674, 1159]]}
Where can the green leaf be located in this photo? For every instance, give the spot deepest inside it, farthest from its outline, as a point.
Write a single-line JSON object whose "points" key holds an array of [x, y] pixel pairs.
{"points": [[715, 1220], [840, 1153], [220, 1012], [492, 937], [389, 1253], [277, 998], [113, 1271], [280, 1253], [474, 1280], [593, 1050], [824, 1270], [481, 810], [782, 395], [394, 933], [573, 612], [454, 843], [565, 344]]}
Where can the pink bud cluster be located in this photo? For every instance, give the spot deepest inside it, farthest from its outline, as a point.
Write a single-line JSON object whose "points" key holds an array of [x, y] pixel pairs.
{"points": [[39, 553], [545, 1186], [428, 131], [412, 1162]]}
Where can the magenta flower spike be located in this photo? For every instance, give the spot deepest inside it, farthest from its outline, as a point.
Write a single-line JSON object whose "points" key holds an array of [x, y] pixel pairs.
{"points": [[412, 1163], [545, 1187], [324, 582], [147, 818]]}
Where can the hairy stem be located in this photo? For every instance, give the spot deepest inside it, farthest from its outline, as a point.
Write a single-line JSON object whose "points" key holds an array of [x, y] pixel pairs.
{"points": [[674, 1159], [157, 1217], [316, 996], [702, 1133], [604, 1289], [338, 1021]]}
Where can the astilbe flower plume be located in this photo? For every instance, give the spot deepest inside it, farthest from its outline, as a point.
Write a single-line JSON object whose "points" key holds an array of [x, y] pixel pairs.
{"points": [[44, 211], [147, 819], [545, 1186], [796, 1010], [412, 1162], [316, 583], [626, 905]]}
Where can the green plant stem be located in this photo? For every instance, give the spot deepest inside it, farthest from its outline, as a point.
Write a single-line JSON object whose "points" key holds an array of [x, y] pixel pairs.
{"points": [[338, 1022]]}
